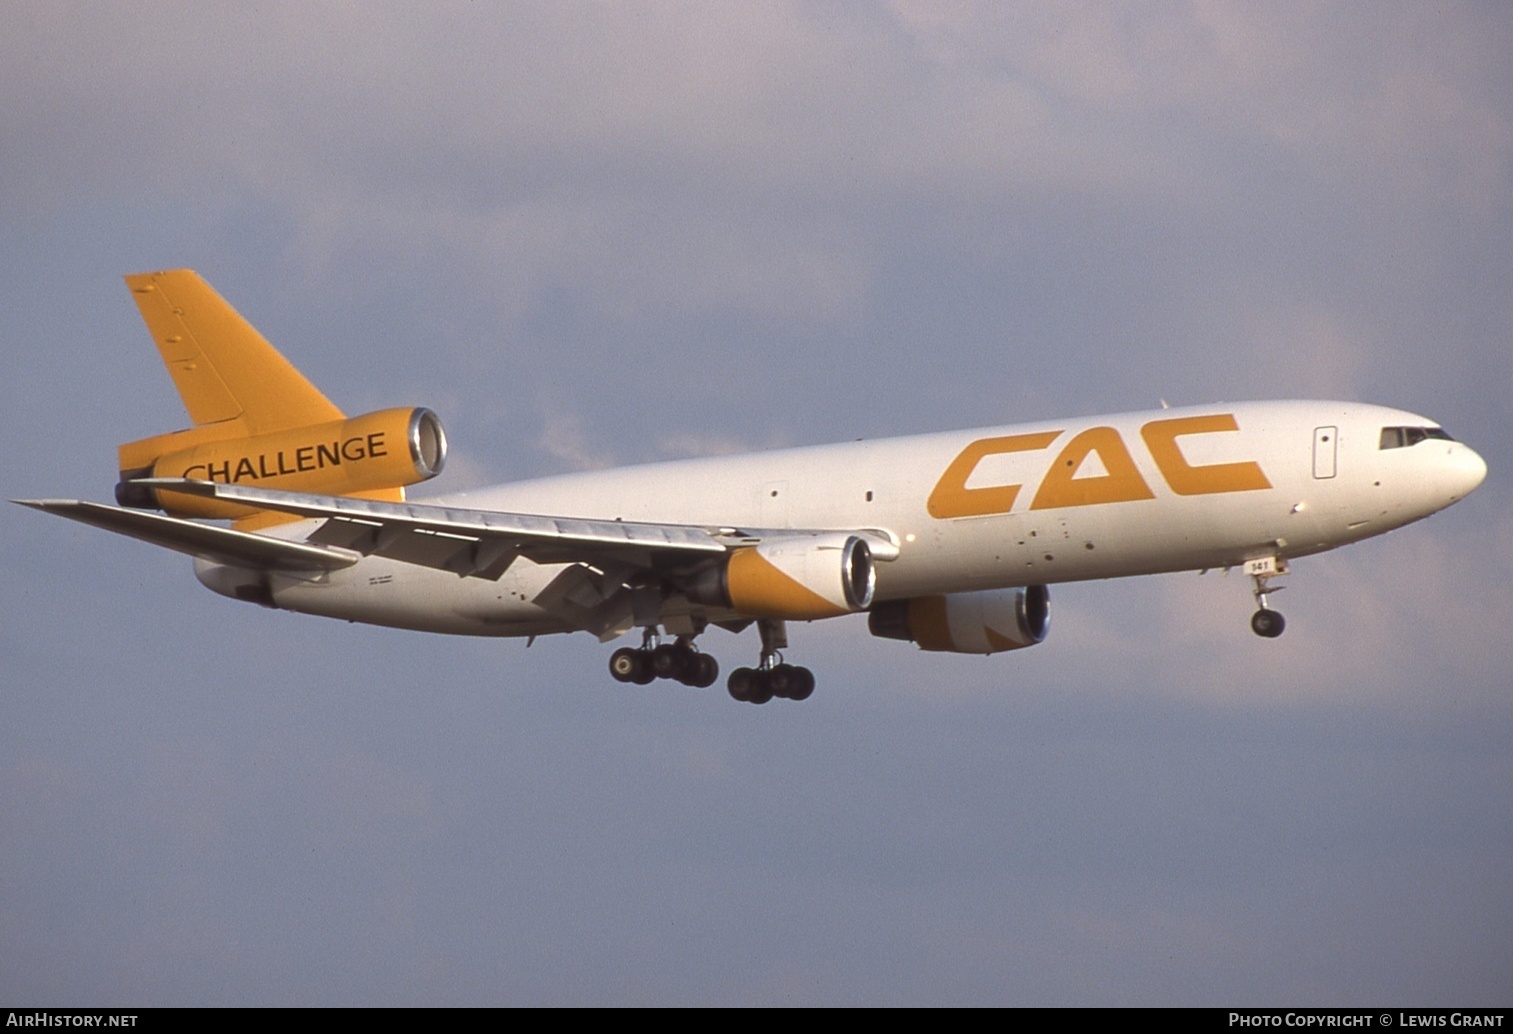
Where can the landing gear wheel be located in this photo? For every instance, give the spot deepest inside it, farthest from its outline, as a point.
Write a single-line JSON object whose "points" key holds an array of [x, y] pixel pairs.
{"points": [[780, 680], [750, 686], [801, 685], [702, 671], [790, 682], [740, 684], [1268, 624], [761, 687], [670, 660], [625, 664]]}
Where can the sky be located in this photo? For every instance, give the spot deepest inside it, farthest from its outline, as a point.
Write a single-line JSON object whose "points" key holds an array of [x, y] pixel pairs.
{"points": [[595, 234]]}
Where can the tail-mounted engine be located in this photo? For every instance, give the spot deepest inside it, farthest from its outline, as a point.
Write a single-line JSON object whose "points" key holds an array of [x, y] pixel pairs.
{"points": [[800, 578], [967, 622], [367, 454]]}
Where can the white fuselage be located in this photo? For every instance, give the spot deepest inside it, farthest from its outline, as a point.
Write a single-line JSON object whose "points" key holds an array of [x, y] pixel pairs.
{"points": [[1056, 501]]}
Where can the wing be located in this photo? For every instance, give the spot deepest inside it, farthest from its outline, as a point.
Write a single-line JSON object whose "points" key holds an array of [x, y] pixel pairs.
{"points": [[207, 541], [470, 543], [604, 563], [483, 543]]}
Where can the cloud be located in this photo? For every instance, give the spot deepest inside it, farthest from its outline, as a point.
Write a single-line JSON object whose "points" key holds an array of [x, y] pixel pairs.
{"points": [[1395, 96], [563, 438], [747, 101], [684, 446]]}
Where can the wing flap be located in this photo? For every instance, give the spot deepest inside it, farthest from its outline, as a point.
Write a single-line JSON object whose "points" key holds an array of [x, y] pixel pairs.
{"points": [[206, 541], [588, 600], [464, 555]]}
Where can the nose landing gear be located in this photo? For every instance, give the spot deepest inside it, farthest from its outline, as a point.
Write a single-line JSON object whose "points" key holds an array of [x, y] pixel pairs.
{"points": [[1265, 622]]}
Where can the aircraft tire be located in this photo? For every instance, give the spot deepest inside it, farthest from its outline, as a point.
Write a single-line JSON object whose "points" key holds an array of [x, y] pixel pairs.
{"points": [[670, 661], [701, 672], [740, 684], [801, 684], [1268, 624], [761, 687], [625, 664], [780, 680]]}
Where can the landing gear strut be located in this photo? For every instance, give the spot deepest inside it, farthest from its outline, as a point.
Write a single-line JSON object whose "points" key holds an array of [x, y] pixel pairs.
{"points": [[1265, 622], [772, 677], [678, 660]]}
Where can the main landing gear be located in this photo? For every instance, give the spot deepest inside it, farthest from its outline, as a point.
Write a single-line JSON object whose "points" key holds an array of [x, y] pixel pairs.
{"points": [[771, 677], [681, 661], [656, 660], [1265, 622], [759, 685]]}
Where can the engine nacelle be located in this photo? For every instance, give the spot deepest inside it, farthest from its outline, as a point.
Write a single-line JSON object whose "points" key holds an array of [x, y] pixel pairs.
{"points": [[990, 621], [384, 450], [800, 578]]}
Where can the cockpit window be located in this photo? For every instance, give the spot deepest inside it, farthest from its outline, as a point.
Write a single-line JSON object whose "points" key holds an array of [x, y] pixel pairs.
{"points": [[1402, 437]]}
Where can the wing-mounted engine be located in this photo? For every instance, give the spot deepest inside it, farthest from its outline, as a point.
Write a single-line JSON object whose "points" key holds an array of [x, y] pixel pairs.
{"points": [[800, 578], [984, 622], [375, 455]]}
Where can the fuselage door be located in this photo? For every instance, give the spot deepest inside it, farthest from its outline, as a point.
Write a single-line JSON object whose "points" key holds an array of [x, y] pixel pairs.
{"points": [[1325, 442]]}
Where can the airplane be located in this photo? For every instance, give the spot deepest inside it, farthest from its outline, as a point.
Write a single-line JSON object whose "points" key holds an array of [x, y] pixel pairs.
{"points": [[947, 540]]}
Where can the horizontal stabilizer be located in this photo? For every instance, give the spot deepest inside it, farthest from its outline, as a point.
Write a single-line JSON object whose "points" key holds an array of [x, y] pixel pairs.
{"points": [[206, 541]]}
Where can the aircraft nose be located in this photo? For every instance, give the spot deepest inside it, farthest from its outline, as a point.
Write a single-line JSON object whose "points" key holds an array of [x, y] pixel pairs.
{"points": [[1466, 470]]}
